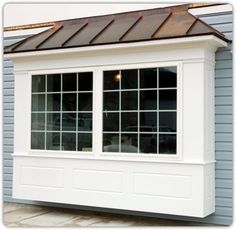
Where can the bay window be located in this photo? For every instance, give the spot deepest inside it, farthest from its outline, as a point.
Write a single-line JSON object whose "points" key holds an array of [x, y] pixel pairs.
{"points": [[139, 111]]}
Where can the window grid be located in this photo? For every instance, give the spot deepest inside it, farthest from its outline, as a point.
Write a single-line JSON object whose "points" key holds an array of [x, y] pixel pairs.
{"points": [[157, 111], [48, 145]]}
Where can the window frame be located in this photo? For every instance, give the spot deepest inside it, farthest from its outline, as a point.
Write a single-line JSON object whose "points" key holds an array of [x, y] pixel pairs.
{"points": [[97, 113]]}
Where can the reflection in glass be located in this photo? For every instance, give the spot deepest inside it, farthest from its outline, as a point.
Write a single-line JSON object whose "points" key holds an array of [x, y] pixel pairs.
{"points": [[85, 122], [110, 121], [129, 122], [167, 77], [111, 80], [111, 101], [53, 82], [69, 82], [110, 142], [148, 100], [167, 144], [129, 143], [69, 141], [85, 102], [85, 142], [129, 79], [38, 83], [53, 121], [167, 99], [53, 102], [167, 122], [129, 100], [86, 81], [53, 141], [69, 101], [37, 140], [148, 143], [69, 121], [38, 121], [148, 78], [148, 121], [38, 102]]}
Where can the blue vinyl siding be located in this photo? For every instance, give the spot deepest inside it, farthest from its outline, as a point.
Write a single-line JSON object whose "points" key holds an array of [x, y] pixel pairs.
{"points": [[223, 129]]}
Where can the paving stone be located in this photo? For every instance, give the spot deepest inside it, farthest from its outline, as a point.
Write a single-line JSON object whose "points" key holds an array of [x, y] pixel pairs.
{"points": [[9, 207], [49, 219], [25, 212]]}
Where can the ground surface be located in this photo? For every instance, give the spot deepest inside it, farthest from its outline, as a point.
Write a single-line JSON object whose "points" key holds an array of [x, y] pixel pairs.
{"points": [[21, 215]]}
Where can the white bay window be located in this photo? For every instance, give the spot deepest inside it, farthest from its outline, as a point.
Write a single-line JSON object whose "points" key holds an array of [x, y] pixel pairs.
{"points": [[127, 127]]}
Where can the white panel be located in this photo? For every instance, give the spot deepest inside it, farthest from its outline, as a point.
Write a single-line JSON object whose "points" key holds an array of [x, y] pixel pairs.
{"points": [[42, 177], [163, 185], [96, 180]]}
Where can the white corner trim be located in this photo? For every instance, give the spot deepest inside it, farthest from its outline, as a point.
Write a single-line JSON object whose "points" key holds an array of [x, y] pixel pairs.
{"points": [[206, 38]]}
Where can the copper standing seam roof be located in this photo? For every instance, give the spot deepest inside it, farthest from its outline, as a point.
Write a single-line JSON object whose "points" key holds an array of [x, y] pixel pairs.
{"points": [[144, 25]]}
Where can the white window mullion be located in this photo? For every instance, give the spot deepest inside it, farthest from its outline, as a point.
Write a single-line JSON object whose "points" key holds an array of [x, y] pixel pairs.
{"points": [[97, 111]]}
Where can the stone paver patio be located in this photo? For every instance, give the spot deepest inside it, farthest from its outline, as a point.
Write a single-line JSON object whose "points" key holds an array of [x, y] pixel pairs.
{"points": [[22, 215]]}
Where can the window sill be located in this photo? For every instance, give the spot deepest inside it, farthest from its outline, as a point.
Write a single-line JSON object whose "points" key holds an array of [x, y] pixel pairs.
{"points": [[110, 157]]}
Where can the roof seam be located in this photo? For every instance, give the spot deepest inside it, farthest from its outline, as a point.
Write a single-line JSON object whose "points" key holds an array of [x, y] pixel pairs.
{"points": [[159, 27], [101, 31], [50, 35], [189, 29], [75, 33], [132, 26]]}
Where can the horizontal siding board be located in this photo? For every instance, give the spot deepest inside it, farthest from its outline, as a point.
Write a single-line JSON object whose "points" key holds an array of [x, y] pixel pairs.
{"points": [[224, 165], [224, 64], [223, 155], [223, 91], [224, 192], [226, 27], [215, 19], [224, 211], [223, 183], [224, 119], [226, 137], [223, 109], [224, 174], [223, 73], [223, 100], [223, 81]]}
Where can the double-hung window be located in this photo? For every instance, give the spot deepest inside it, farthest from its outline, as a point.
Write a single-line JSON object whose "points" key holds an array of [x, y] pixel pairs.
{"points": [[139, 109]]}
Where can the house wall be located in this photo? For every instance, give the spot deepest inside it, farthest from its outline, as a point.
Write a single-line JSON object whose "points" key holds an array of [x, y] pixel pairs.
{"points": [[223, 118]]}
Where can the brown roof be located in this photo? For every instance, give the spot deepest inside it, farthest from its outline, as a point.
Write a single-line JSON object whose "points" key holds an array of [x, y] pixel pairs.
{"points": [[144, 25]]}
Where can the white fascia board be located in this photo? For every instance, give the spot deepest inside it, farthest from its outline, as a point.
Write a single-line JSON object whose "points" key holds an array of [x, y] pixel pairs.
{"points": [[210, 39]]}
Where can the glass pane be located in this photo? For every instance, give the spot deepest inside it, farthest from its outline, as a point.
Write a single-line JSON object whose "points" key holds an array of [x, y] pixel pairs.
{"points": [[69, 101], [53, 141], [148, 143], [148, 122], [38, 83], [167, 144], [38, 121], [148, 100], [167, 99], [69, 82], [110, 121], [148, 78], [111, 101], [69, 121], [129, 122], [85, 122], [54, 83], [129, 143], [37, 140], [38, 102], [111, 80], [129, 79], [53, 102], [86, 81], [53, 121], [110, 142], [129, 100], [85, 102], [68, 141], [167, 122], [167, 77], [85, 142]]}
